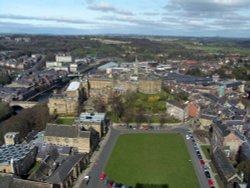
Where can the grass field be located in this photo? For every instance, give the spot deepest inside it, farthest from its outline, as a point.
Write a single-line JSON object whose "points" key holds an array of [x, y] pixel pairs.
{"points": [[65, 120], [158, 159], [205, 150]]}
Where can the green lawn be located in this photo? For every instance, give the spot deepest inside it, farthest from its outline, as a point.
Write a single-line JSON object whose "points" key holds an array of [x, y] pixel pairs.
{"points": [[35, 167], [205, 150], [158, 159], [65, 120], [218, 180]]}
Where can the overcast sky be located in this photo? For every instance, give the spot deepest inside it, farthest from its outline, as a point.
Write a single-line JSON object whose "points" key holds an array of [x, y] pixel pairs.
{"points": [[226, 18]]}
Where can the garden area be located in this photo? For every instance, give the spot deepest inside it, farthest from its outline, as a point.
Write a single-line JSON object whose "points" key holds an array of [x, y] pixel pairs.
{"points": [[143, 108], [65, 120]]}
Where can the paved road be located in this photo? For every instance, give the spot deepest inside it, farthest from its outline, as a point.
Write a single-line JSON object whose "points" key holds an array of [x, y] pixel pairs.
{"points": [[107, 149], [100, 164]]}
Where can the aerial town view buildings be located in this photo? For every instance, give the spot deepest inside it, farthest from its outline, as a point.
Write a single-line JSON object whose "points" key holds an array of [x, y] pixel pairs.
{"points": [[124, 95]]}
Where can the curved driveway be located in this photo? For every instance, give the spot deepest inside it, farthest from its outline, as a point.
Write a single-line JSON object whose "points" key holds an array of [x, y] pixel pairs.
{"points": [[99, 165]]}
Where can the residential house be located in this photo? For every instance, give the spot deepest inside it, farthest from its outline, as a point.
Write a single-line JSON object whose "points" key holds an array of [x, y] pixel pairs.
{"points": [[226, 171], [227, 139], [67, 172], [193, 109], [12, 181], [177, 110], [98, 121], [75, 136]]}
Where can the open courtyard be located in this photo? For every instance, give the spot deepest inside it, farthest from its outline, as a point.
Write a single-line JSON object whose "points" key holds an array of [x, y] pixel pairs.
{"points": [[151, 159]]}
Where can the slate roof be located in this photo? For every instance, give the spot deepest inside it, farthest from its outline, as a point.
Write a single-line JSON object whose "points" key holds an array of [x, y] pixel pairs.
{"points": [[238, 111], [232, 83], [211, 97], [61, 130], [177, 104], [64, 131], [10, 181], [234, 122], [207, 116], [187, 79], [222, 163], [62, 172], [223, 129], [245, 150], [233, 102]]}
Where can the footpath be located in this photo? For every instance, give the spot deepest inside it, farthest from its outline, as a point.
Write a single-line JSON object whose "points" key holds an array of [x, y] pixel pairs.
{"points": [[93, 159]]}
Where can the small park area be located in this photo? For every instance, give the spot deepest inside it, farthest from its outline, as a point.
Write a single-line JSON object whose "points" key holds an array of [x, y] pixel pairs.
{"points": [[151, 160], [65, 120]]}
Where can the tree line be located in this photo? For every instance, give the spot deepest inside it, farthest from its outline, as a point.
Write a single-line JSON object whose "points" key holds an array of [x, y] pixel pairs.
{"points": [[24, 122]]}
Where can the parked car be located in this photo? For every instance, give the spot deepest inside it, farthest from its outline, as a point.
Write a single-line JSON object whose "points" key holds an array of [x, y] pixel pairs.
{"points": [[110, 183], [199, 156], [106, 181], [202, 162], [207, 174], [86, 179], [206, 168], [117, 185], [187, 137], [211, 183], [103, 175]]}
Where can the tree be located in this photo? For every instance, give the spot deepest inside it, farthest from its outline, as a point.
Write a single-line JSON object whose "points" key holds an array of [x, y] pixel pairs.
{"points": [[128, 117], [162, 120], [27, 120], [99, 106], [5, 78], [117, 106], [195, 72], [244, 167], [5, 111], [139, 117]]}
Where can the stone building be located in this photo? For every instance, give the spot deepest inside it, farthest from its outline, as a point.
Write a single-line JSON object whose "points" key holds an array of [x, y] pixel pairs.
{"points": [[67, 172], [60, 172], [100, 82], [61, 105], [17, 159], [68, 102], [150, 85], [226, 139], [226, 171], [12, 181], [177, 110], [97, 121], [72, 136], [193, 109], [11, 138]]}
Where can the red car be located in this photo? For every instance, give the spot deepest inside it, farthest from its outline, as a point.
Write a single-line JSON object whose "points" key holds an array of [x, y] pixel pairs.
{"points": [[103, 176], [110, 183], [211, 183], [202, 162]]}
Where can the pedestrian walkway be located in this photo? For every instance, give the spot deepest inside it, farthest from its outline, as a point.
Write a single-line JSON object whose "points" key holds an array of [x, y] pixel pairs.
{"points": [[207, 162], [93, 160]]}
